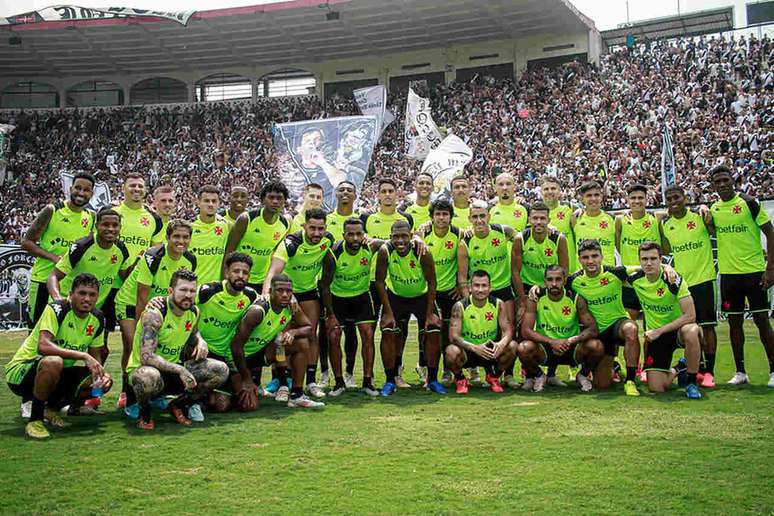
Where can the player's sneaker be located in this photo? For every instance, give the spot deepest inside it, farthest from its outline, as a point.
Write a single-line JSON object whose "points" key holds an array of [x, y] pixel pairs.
{"points": [[739, 379], [692, 391], [179, 416], [494, 384], [371, 390], [421, 373], [195, 413], [349, 381], [642, 375], [388, 389], [337, 390], [447, 378], [540, 383], [462, 386], [283, 394], [325, 379], [54, 419], [400, 382], [304, 402], [132, 411], [707, 381], [511, 382], [264, 392], [630, 388], [315, 390], [475, 376], [26, 409], [616, 372], [93, 403], [436, 387], [528, 384], [121, 400], [159, 403], [771, 380], [36, 430], [555, 381], [572, 373], [583, 382], [272, 386], [143, 425]]}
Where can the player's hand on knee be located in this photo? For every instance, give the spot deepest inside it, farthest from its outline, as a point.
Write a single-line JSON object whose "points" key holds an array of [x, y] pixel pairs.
{"points": [[189, 382]]}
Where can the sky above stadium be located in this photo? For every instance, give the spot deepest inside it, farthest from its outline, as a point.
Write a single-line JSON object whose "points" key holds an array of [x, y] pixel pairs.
{"points": [[606, 14]]}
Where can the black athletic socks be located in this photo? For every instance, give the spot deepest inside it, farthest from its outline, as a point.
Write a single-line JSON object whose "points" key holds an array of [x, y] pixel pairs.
{"points": [[432, 374], [38, 406], [281, 374], [631, 374], [311, 373], [296, 392], [709, 363], [740, 365], [691, 378], [391, 374]]}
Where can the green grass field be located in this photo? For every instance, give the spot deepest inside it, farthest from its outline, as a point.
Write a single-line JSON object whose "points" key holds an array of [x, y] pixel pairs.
{"points": [[559, 451]]}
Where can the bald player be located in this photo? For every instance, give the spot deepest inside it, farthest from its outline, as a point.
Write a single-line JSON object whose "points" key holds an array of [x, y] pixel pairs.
{"points": [[506, 210]]}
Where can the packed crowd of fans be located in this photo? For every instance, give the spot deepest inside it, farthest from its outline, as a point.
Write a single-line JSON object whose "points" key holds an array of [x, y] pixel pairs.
{"points": [[576, 122]]}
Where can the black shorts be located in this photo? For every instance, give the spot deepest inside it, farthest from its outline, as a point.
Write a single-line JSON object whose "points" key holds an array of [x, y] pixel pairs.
{"points": [[255, 362], [356, 309], [66, 390], [109, 311], [705, 301], [611, 337], [404, 307], [38, 299], [504, 294], [735, 288], [659, 353], [567, 358], [444, 303], [309, 295], [630, 299], [472, 360]]}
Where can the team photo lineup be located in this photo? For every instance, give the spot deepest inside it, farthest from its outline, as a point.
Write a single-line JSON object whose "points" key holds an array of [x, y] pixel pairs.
{"points": [[243, 304]]}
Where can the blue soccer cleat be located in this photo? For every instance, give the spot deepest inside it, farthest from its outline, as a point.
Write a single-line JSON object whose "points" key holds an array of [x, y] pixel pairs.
{"points": [[159, 403], [388, 389], [272, 386], [692, 392], [132, 411], [436, 387]]}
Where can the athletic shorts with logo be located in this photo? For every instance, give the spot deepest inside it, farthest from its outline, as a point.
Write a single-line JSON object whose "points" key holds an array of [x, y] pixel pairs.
{"points": [[736, 288], [660, 351]]}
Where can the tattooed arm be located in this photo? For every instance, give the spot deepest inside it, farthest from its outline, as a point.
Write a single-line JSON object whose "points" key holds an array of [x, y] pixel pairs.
{"points": [[30, 240], [151, 323]]}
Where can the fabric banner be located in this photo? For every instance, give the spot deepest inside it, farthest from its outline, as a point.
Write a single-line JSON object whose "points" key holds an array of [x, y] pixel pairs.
{"points": [[75, 13], [421, 132], [101, 195], [5, 148], [445, 162], [326, 151], [15, 268], [373, 101], [668, 176]]}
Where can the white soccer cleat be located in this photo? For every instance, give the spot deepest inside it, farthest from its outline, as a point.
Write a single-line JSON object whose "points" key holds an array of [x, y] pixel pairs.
{"points": [[511, 382], [304, 402], [555, 381], [447, 378], [315, 390], [325, 379], [739, 379], [349, 381], [337, 391], [283, 394], [583, 382], [528, 384], [475, 376], [421, 373], [26, 409], [539, 383], [371, 390], [771, 380]]}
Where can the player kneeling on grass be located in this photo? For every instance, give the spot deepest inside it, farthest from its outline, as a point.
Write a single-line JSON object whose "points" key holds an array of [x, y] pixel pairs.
{"points": [[44, 370], [480, 335], [552, 333], [169, 357], [670, 318], [262, 339]]}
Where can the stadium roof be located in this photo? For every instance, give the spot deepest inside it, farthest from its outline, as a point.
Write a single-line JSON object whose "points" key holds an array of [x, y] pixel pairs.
{"points": [[271, 34], [688, 24]]}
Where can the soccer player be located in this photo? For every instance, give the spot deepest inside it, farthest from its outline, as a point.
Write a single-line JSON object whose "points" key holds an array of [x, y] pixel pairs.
{"points": [[631, 230], [460, 191], [237, 203], [210, 234], [592, 223], [55, 228], [450, 255], [507, 211], [345, 289], [560, 216], [669, 317], [480, 335], [602, 287], [258, 232], [313, 198], [270, 333], [301, 256], [412, 288], [169, 357], [686, 237], [164, 204], [551, 329], [43, 368], [150, 278], [745, 273], [420, 209], [140, 227]]}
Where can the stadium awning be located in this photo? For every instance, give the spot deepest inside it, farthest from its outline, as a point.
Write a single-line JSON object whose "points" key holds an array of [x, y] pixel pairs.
{"points": [[689, 24]]}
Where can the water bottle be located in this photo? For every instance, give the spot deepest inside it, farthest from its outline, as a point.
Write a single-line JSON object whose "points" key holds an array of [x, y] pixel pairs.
{"points": [[96, 389], [280, 349]]}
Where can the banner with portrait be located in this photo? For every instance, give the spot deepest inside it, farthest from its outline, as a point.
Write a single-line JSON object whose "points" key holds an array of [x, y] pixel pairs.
{"points": [[326, 151], [446, 162], [15, 269], [101, 195]]}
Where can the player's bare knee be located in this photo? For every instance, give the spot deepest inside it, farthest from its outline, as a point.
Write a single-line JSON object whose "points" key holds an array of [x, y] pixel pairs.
{"points": [[147, 382], [51, 364], [453, 355], [630, 330]]}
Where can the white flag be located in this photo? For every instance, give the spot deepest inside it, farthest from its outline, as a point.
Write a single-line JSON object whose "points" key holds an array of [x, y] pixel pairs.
{"points": [[373, 101], [421, 133], [668, 174], [445, 162], [5, 148]]}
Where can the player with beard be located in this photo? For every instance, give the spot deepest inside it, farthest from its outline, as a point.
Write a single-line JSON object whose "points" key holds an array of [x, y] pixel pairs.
{"points": [[593, 223], [169, 357], [237, 203], [55, 228], [420, 208], [210, 234], [507, 211]]}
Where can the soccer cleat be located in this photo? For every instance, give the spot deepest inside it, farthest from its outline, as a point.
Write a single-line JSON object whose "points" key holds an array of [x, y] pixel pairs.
{"points": [[315, 390], [700, 377], [616, 372], [400, 382], [421, 373], [304, 402], [54, 418], [26, 409], [630, 388], [528, 384], [572, 373], [146, 425], [177, 413], [511, 382], [195, 413], [371, 390], [388, 389], [771, 380], [583, 382], [349, 381], [93, 403], [642, 375], [540, 383], [159, 403], [338, 390], [325, 379], [555, 381], [494, 384], [475, 376], [121, 400], [132, 411], [36, 430], [264, 393], [707, 381], [272, 386], [436, 387], [447, 378], [283, 394], [692, 391], [462, 386], [739, 379]]}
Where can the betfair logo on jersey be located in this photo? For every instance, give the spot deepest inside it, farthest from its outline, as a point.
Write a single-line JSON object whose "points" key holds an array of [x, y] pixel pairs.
{"points": [[166, 350], [480, 336], [634, 242], [135, 240], [207, 251], [217, 323], [732, 228], [305, 267], [544, 328], [661, 309], [445, 261], [62, 242], [406, 281], [488, 261], [688, 246], [604, 300]]}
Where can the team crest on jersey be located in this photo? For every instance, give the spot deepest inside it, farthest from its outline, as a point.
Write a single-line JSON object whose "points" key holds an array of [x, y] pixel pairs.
{"points": [[737, 210], [283, 320], [323, 247], [660, 292], [495, 242], [548, 252], [90, 330], [517, 213], [188, 325], [449, 244], [277, 235], [691, 225], [241, 304], [489, 316], [113, 259], [364, 261], [566, 310], [560, 215], [604, 282], [412, 264], [646, 224], [144, 221], [603, 224], [218, 230], [84, 223]]}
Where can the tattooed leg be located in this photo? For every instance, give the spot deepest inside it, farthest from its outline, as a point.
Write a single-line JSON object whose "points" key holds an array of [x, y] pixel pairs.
{"points": [[147, 385], [209, 373]]}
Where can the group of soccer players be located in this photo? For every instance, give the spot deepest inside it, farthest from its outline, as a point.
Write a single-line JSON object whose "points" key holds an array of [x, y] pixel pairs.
{"points": [[204, 307]]}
